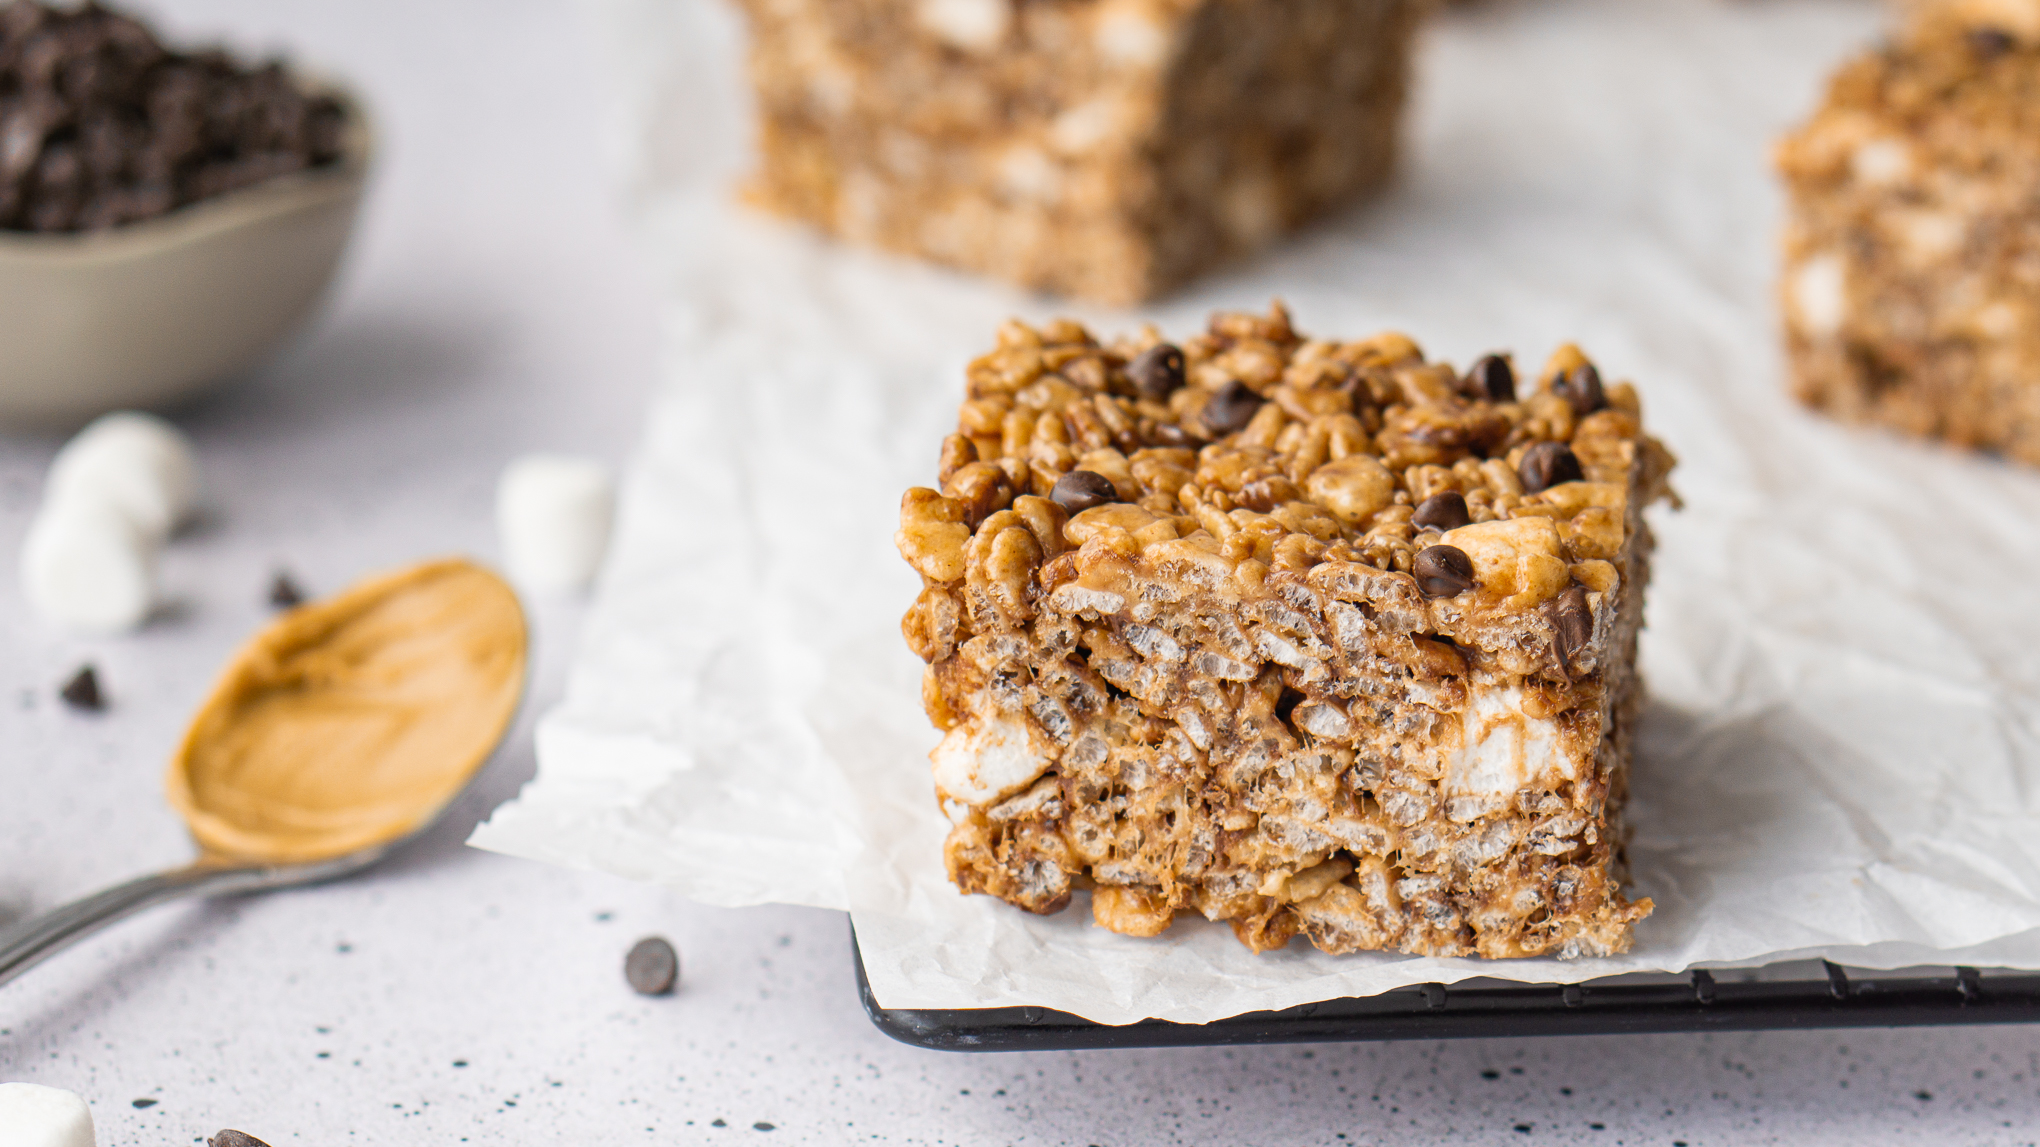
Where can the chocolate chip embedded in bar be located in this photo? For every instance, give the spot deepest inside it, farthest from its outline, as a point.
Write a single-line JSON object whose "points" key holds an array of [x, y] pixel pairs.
{"points": [[1110, 150], [1908, 288], [1445, 511], [1548, 464], [1079, 490], [1443, 571], [1359, 664]]}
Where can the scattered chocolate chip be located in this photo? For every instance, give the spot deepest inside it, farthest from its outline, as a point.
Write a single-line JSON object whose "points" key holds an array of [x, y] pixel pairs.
{"points": [[652, 967], [144, 1104], [1491, 378], [283, 592], [763, 1126], [1990, 43], [1158, 371], [232, 1138], [1574, 621], [1548, 464], [1230, 409], [1581, 388], [1443, 571], [1079, 490], [1446, 511], [82, 691]]}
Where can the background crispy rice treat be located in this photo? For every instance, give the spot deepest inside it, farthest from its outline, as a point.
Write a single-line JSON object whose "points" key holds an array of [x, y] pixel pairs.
{"points": [[1302, 635], [1911, 284], [1107, 149]]}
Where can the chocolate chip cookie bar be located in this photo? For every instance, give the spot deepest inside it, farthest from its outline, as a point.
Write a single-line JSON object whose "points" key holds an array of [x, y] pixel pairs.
{"points": [[1104, 149], [1911, 286], [1303, 635]]}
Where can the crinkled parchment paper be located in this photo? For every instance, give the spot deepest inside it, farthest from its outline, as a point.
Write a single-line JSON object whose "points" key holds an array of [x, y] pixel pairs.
{"points": [[1840, 754]]}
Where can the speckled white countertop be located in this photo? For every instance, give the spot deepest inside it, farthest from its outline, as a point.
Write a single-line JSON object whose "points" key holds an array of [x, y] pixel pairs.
{"points": [[493, 306]]}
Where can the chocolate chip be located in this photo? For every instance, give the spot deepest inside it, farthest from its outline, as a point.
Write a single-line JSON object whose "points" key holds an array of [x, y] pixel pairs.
{"points": [[1170, 434], [1574, 621], [1581, 388], [1443, 571], [98, 118], [1446, 511], [82, 691], [1158, 372], [1491, 378], [143, 1104], [283, 592], [652, 967], [232, 1138], [1079, 490], [1548, 464], [1990, 43], [1230, 409]]}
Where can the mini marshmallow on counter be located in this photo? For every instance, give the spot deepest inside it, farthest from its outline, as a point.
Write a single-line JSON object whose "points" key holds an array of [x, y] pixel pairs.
{"points": [[32, 1115], [553, 514], [137, 462], [89, 567], [115, 494]]}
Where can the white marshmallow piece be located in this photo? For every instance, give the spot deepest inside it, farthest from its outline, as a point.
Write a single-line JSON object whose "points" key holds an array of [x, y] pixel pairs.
{"points": [[553, 515], [973, 25], [137, 462], [32, 1115], [88, 566]]}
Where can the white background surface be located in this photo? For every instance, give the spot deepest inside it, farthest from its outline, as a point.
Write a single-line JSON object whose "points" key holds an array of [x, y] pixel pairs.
{"points": [[493, 306]]}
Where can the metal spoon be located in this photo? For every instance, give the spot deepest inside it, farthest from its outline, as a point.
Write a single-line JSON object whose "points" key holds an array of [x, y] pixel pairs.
{"points": [[219, 871]]}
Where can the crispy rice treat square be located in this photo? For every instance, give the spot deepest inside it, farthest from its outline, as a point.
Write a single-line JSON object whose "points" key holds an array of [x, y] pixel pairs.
{"points": [[1911, 285], [1303, 635], [1105, 149]]}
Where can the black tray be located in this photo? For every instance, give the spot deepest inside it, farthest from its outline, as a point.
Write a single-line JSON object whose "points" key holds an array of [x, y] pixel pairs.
{"points": [[1799, 994]]}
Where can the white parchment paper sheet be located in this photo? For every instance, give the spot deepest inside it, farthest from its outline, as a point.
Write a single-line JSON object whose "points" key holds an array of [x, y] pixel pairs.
{"points": [[1840, 754]]}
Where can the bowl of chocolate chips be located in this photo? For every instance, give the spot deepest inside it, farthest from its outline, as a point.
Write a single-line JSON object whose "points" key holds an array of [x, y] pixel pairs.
{"points": [[168, 218]]}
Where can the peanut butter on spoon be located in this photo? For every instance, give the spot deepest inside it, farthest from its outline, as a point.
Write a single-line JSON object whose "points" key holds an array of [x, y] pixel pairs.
{"points": [[353, 721], [343, 729]]}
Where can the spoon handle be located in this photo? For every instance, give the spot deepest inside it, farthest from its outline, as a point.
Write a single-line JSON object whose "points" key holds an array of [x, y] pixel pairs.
{"points": [[28, 941]]}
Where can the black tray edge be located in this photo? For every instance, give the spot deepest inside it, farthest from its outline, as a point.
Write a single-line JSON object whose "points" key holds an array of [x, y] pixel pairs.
{"points": [[1844, 999]]}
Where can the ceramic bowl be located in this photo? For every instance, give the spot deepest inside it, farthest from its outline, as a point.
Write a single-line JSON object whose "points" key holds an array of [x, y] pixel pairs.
{"points": [[149, 313]]}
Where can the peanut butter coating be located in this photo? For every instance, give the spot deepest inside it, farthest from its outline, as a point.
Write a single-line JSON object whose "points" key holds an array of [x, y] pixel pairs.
{"points": [[351, 722]]}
